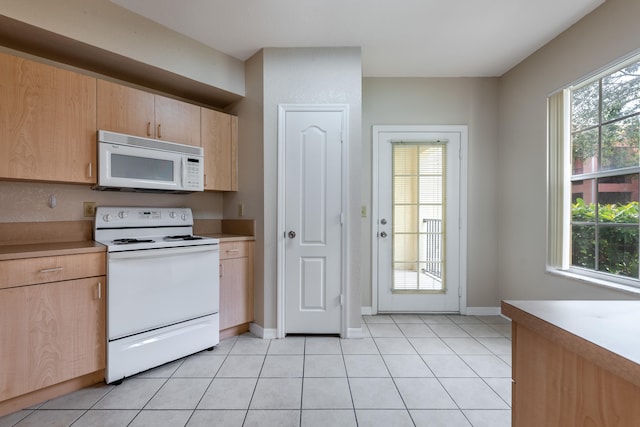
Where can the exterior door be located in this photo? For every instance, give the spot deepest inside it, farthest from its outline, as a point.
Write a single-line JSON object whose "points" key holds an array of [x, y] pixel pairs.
{"points": [[418, 220], [312, 220]]}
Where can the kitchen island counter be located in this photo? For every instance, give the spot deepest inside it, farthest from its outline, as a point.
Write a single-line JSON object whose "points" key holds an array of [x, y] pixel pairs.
{"points": [[575, 362]]}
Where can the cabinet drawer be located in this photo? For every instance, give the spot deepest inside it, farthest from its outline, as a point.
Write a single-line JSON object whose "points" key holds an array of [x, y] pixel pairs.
{"points": [[235, 249], [30, 271]]}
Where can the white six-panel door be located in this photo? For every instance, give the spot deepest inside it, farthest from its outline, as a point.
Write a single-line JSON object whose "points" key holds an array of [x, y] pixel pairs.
{"points": [[311, 231]]}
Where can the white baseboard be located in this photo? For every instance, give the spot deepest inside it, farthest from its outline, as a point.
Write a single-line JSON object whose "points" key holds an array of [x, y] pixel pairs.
{"points": [[260, 332], [483, 311], [269, 334], [355, 333], [470, 311]]}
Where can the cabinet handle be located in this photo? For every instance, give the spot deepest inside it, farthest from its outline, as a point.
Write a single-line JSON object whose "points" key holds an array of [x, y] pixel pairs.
{"points": [[51, 270], [159, 130], [148, 128], [90, 170], [205, 179], [99, 290], [221, 270], [233, 251]]}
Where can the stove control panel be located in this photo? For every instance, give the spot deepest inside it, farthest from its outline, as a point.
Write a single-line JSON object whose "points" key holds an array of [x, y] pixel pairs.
{"points": [[149, 215], [112, 217]]}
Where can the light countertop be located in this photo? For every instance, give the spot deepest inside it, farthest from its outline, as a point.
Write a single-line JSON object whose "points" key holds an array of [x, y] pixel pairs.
{"points": [[224, 237], [35, 250]]}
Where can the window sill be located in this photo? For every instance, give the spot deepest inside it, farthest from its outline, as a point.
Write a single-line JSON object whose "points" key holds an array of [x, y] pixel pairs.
{"points": [[631, 290]]}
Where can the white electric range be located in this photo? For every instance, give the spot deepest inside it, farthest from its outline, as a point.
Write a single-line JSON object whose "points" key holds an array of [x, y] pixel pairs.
{"points": [[162, 287]]}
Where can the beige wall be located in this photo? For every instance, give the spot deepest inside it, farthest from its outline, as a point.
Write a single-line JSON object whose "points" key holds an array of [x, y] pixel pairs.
{"points": [[608, 33], [29, 201], [294, 76], [103, 24], [507, 138], [443, 101], [250, 111]]}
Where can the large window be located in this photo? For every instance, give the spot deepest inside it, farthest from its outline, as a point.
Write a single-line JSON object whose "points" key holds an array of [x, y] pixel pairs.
{"points": [[595, 127]]}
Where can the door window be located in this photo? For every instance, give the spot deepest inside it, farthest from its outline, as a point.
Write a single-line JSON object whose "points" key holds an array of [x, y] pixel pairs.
{"points": [[419, 194]]}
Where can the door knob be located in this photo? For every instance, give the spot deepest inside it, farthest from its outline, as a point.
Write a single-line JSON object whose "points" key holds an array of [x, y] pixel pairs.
{"points": [[292, 234], [383, 234]]}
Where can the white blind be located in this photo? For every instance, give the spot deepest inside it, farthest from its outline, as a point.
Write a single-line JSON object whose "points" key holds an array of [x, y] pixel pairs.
{"points": [[559, 197]]}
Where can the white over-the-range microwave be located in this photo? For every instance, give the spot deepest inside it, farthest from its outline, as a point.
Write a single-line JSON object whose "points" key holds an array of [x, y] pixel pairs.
{"points": [[132, 163]]}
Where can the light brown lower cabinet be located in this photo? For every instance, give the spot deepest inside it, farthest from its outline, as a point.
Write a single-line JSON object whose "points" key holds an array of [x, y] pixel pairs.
{"points": [[236, 287], [555, 387], [561, 379], [52, 333]]}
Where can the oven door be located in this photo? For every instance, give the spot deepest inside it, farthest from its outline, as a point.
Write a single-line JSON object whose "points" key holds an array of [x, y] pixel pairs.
{"points": [[149, 289]]}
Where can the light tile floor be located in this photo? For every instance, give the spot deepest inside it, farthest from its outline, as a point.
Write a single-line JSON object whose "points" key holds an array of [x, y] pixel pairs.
{"points": [[409, 370]]}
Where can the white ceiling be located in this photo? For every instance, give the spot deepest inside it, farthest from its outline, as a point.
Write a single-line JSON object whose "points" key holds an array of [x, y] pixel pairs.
{"points": [[399, 38]]}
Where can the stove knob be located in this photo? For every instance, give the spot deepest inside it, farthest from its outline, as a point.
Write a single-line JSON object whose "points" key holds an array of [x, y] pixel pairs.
{"points": [[106, 218], [184, 217], [172, 214], [122, 214]]}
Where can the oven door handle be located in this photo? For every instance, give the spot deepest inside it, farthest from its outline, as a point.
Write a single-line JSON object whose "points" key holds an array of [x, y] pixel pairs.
{"points": [[164, 252]]}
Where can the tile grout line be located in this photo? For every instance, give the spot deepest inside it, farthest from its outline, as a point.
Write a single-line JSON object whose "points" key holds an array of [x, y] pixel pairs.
{"points": [[496, 351], [226, 356], [346, 374]]}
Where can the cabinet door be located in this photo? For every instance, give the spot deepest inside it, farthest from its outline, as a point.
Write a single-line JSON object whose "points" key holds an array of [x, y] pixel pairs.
{"points": [[219, 141], [177, 121], [236, 295], [234, 153], [50, 333], [125, 110], [47, 122]]}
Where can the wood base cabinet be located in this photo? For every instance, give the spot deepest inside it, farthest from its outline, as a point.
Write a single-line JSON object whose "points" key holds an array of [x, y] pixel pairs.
{"points": [[236, 287], [553, 386], [575, 363], [50, 332]]}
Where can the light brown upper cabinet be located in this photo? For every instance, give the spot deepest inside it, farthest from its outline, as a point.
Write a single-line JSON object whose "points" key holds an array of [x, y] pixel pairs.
{"points": [[47, 122], [135, 112], [220, 143]]}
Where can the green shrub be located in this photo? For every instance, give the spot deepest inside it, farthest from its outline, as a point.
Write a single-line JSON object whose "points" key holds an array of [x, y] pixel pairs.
{"points": [[617, 236]]}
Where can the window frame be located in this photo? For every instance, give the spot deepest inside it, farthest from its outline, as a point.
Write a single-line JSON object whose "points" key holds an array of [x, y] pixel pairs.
{"points": [[559, 174]]}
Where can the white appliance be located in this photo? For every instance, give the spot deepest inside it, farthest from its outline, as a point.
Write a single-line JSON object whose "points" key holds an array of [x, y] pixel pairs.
{"points": [[163, 287], [131, 163]]}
